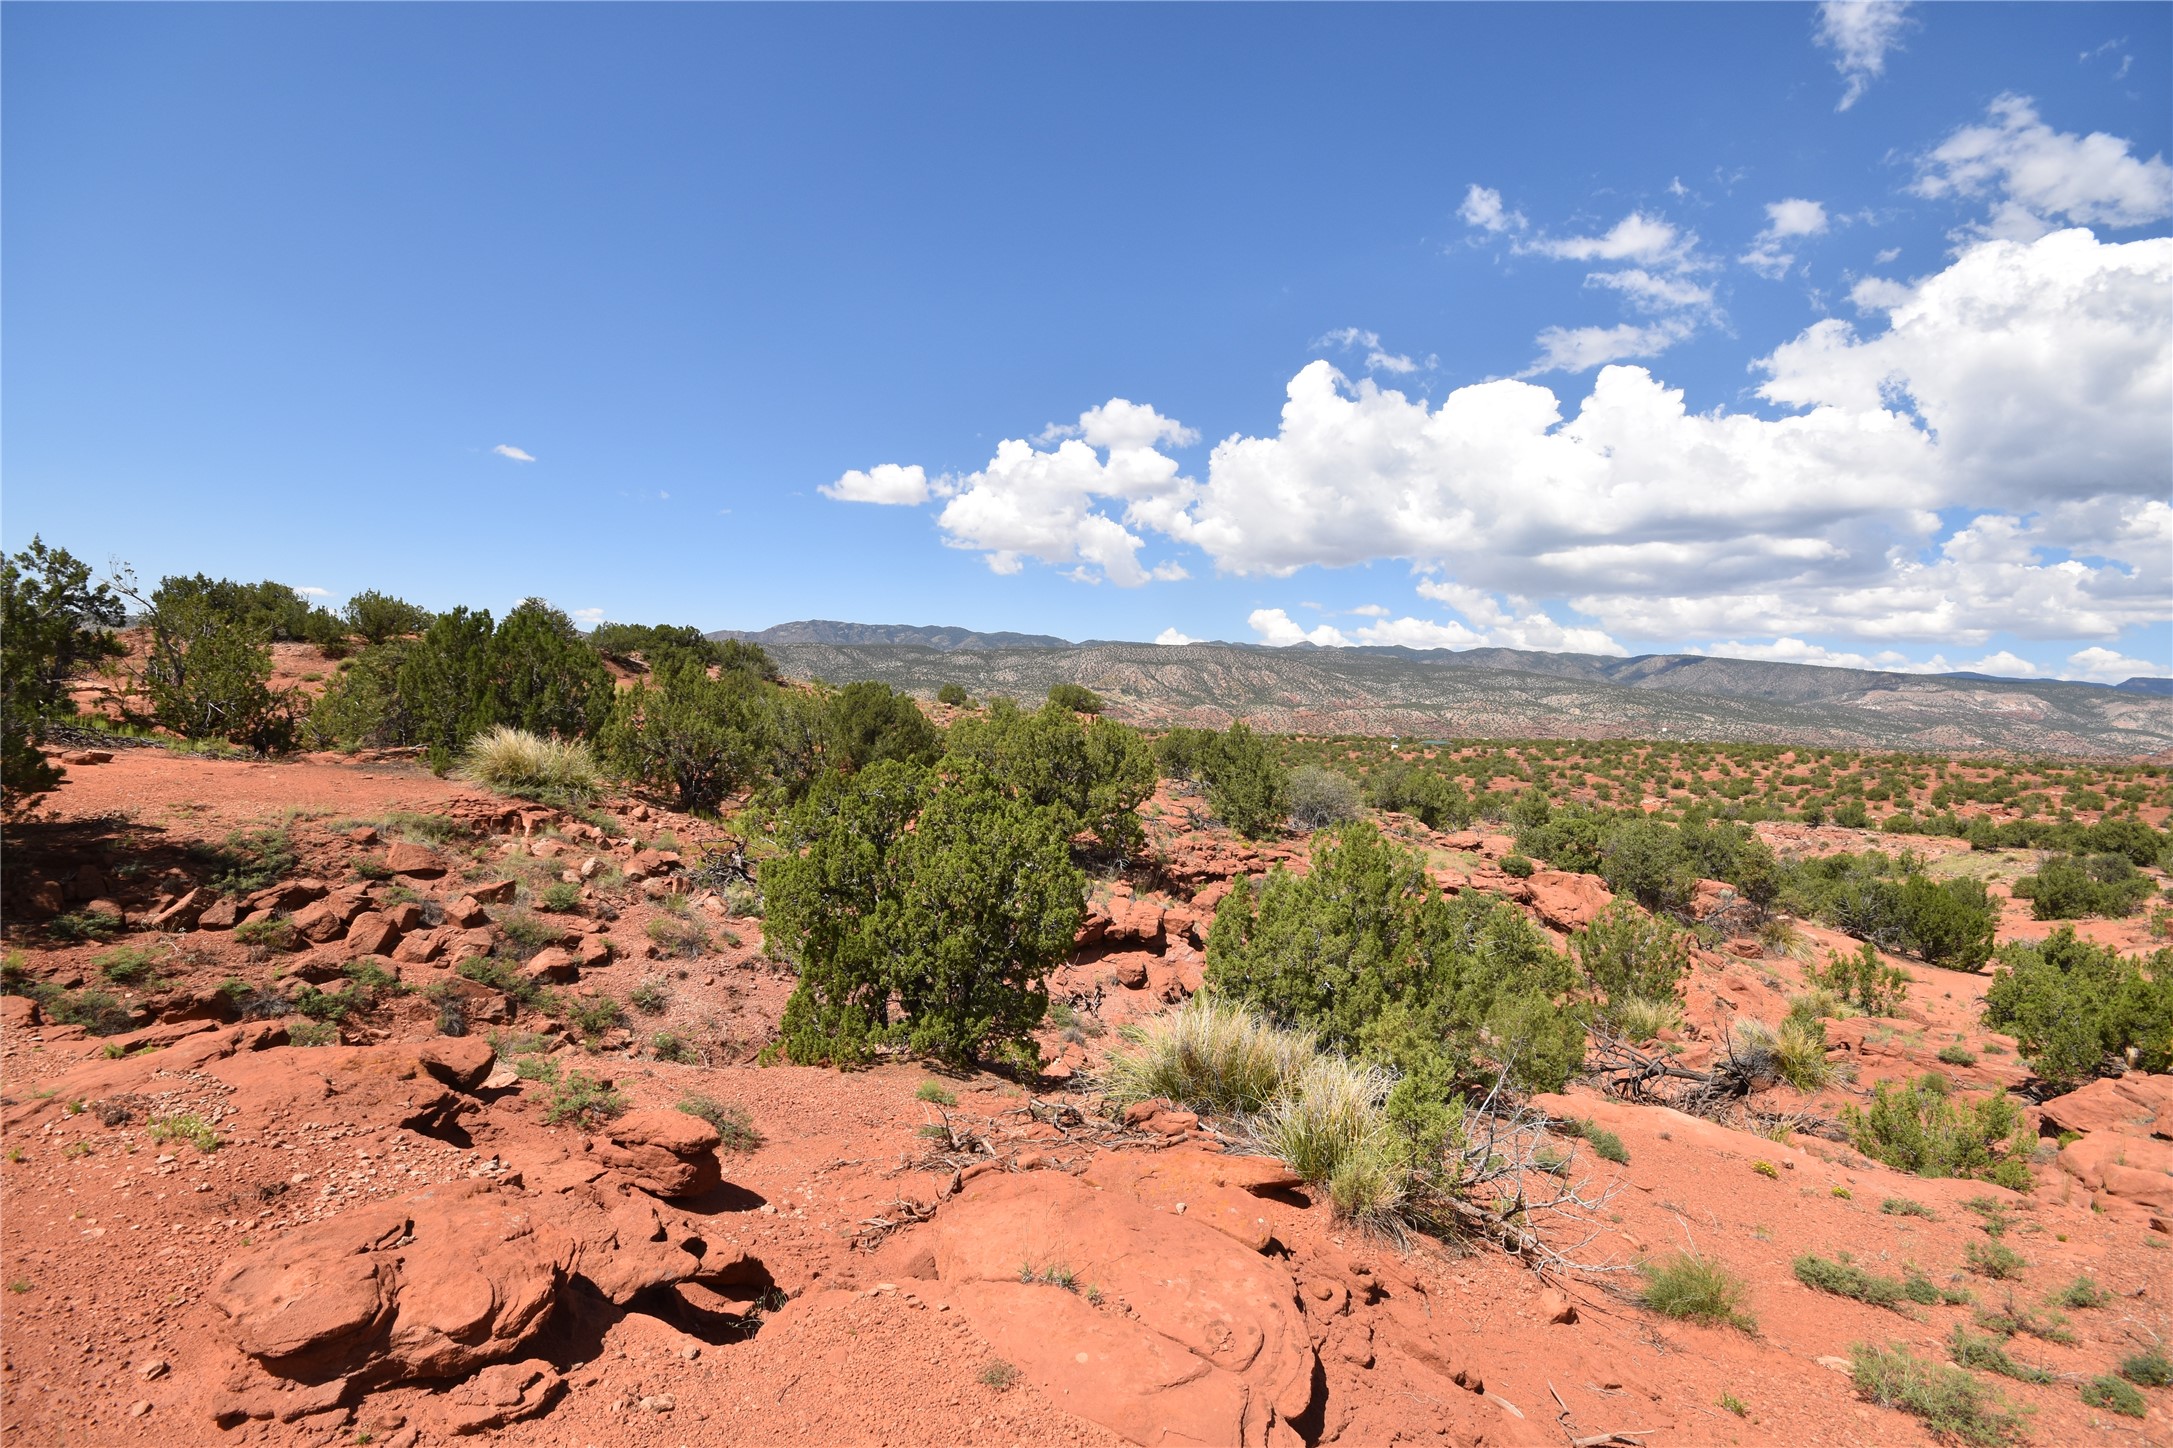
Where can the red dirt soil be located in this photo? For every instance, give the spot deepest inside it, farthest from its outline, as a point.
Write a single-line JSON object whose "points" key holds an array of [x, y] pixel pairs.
{"points": [[392, 1243]]}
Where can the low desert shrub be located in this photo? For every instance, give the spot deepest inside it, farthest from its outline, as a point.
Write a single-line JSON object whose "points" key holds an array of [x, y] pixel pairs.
{"points": [[1954, 1053], [678, 936], [1322, 797], [1642, 1019], [2083, 1292], [1696, 1289], [1843, 1278], [2072, 887], [559, 897], [580, 1098], [1951, 1403], [1604, 1143], [1903, 1207], [77, 925], [935, 1093], [1864, 980], [514, 761], [1988, 1355], [1996, 1260], [2153, 1369], [594, 1015], [1920, 1127], [1627, 954], [2076, 1008], [128, 964], [2114, 1396], [651, 997], [729, 1118], [190, 1128]]}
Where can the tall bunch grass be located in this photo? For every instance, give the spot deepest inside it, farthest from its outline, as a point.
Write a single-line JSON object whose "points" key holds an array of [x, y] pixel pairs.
{"points": [[1213, 1054], [514, 761]]}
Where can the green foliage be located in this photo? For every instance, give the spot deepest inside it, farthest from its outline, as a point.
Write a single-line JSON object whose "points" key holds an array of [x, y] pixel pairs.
{"points": [[2152, 1369], [1247, 786], [559, 897], [379, 617], [84, 925], [1996, 1260], [273, 931], [207, 672], [1435, 802], [935, 1093], [1364, 951], [953, 695], [1920, 1127], [676, 936], [98, 1012], [1627, 954], [128, 964], [190, 1128], [250, 860], [1864, 980], [651, 997], [1087, 773], [1604, 1143], [958, 919], [2076, 1007], [501, 976], [1516, 866], [2070, 887], [2114, 1396], [1954, 1053], [592, 1016], [1696, 1289], [1951, 1402], [683, 731], [580, 1098], [1891, 903], [2083, 1292], [870, 724], [1843, 1278], [1987, 1355], [1076, 697], [54, 624], [729, 1118], [545, 677], [1321, 797]]}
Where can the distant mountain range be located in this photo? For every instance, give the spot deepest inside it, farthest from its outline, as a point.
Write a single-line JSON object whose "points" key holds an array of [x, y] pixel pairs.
{"points": [[1500, 693]]}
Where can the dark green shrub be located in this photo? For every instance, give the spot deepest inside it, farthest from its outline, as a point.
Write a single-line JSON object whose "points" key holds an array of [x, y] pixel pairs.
{"points": [[1365, 951], [84, 925], [378, 617], [869, 724], [54, 624], [206, 674], [580, 1098], [1920, 1127], [2152, 1369], [1604, 1143], [592, 1016], [2114, 1396], [1076, 697], [1987, 1355], [1996, 1260], [958, 919], [683, 731], [1843, 1278], [2075, 1007], [1247, 786], [2067, 887], [1403, 787], [1090, 773], [953, 695], [1627, 954], [1516, 866]]}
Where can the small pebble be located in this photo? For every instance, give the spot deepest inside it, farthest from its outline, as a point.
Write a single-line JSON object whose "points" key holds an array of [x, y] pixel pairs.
{"points": [[659, 1403]]}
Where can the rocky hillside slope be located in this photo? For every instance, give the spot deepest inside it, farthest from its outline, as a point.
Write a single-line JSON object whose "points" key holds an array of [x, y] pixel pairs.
{"points": [[1505, 693]]}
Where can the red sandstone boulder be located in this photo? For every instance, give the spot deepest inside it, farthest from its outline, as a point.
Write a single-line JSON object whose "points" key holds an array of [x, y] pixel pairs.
{"points": [[411, 859], [665, 1153], [1565, 901], [453, 1280], [461, 1062], [1209, 1346], [2134, 1104]]}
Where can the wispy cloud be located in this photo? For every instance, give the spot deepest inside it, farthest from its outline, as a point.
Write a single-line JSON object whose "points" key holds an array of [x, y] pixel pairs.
{"points": [[1378, 358], [314, 592], [1860, 33], [508, 450]]}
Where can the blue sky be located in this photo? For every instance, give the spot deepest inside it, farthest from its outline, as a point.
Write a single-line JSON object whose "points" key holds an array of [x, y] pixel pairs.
{"points": [[655, 311]]}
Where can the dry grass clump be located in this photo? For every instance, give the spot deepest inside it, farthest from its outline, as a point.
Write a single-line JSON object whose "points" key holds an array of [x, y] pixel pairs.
{"points": [[514, 761], [1320, 1113], [1696, 1289], [1213, 1054]]}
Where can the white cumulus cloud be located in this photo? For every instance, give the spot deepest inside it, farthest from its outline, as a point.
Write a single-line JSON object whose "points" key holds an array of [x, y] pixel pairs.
{"points": [[1785, 221], [508, 450], [2108, 666], [1860, 33], [1172, 638], [1483, 208], [886, 483], [2037, 176], [1281, 630]]}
